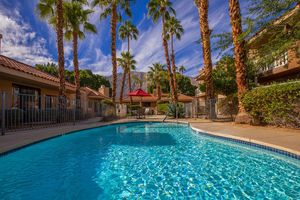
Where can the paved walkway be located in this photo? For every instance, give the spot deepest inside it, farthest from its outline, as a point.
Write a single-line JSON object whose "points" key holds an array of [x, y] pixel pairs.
{"points": [[281, 138]]}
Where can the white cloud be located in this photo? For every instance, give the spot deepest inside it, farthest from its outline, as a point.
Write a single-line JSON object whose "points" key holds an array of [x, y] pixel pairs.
{"points": [[20, 42]]}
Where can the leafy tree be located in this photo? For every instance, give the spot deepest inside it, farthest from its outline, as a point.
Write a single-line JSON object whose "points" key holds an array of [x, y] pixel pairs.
{"points": [[86, 76], [127, 63], [163, 9], [173, 29], [113, 8], [76, 23], [185, 85], [50, 68]]}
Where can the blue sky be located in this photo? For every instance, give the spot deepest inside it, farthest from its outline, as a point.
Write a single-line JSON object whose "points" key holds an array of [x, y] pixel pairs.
{"points": [[29, 39]]}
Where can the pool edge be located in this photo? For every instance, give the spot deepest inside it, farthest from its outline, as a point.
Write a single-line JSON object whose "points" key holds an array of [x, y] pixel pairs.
{"points": [[267, 146]]}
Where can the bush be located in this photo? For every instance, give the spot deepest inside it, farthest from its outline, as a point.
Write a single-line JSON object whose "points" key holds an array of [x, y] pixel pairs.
{"points": [[278, 104], [162, 108], [172, 110]]}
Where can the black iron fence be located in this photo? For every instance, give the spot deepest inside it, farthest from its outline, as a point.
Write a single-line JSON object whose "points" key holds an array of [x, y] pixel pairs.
{"points": [[36, 111]]}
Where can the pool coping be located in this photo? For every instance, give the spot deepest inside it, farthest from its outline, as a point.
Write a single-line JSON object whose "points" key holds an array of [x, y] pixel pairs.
{"points": [[243, 140], [251, 142]]}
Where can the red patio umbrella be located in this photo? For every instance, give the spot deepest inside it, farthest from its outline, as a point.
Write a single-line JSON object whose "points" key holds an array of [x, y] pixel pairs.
{"points": [[139, 93]]}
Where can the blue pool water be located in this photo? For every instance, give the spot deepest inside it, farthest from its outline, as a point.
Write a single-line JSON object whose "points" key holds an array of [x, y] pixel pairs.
{"points": [[146, 161]]}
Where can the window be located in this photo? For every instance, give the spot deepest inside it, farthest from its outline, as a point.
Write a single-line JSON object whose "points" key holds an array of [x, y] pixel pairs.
{"points": [[25, 97]]}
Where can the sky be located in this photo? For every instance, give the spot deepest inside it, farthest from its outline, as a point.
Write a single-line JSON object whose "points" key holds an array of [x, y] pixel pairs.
{"points": [[31, 40]]}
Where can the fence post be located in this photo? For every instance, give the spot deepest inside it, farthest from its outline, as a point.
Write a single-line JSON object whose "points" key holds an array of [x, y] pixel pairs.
{"points": [[3, 114], [74, 112]]}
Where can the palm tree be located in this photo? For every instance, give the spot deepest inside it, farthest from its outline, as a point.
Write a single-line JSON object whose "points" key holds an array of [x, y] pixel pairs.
{"points": [[112, 8], [162, 9], [128, 63], [53, 11], [128, 31], [156, 74], [76, 19], [206, 47], [182, 69], [239, 57], [173, 28]]}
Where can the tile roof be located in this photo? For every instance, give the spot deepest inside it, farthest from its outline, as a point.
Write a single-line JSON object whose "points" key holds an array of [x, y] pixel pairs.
{"points": [[95, 94], [22, 67], [164, 98]]}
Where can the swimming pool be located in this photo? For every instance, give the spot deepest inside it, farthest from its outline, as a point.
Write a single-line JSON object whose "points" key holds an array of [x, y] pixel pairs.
{"points": [[146, 161]]}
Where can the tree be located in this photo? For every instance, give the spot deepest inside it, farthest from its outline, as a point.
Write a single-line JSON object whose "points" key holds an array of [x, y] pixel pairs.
{"points": [[173, 28], [128, 63], [185, 85], [113, 8], [76, 19], [182, 69], [224, 76], [86, 76], [54, 12], [128, 31], [239, 57], [155, 76], [202, 6], [50, 68], [162, 9]]}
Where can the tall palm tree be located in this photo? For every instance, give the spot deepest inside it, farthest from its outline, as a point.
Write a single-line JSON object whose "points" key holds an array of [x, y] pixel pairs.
{"points": [[54, 12], [182, 69], [76, 19], [162, 9], [128, 31], [113, 8], [239, 57], [206, 47], [156, 74], [128, 63], [173, 28]]}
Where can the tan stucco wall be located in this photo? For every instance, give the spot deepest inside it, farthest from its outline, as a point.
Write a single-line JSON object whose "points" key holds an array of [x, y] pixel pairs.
{"points": [[6, 86]]}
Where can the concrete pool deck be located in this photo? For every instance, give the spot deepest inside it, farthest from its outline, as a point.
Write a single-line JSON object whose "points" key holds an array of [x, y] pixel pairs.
{"points": [[278, 138]]}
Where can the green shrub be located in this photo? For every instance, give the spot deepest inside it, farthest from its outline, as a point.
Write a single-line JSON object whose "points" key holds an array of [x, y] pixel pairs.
{"points": [[278, 104], [172, 110], [162, 108]]}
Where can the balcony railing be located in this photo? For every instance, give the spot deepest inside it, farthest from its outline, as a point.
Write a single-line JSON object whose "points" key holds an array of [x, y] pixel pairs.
{"points": [[280, 61]]}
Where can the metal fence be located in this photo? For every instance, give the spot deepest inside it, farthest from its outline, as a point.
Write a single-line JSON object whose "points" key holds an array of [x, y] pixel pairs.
{"points": [[36, 111]]}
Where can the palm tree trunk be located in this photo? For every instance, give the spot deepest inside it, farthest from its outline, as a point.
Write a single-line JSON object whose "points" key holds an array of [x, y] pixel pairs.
{"points": [[76, 68], [113, 51], [206, 47], [60, 50], [166, 49], [239, 57], [174, 69], [122, 86], [158, 90], [129, 72]]}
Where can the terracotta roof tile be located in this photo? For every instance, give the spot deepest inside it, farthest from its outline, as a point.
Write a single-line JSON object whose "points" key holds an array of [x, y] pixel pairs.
{"points": [[22, 67]]}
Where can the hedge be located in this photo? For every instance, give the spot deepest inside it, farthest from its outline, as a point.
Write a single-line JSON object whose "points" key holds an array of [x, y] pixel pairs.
{"points": [[277, 104], [162, 108]]}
